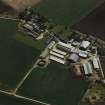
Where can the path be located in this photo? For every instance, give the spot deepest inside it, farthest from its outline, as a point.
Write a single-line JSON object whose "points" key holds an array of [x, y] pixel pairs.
{"points": [[25, 77]]}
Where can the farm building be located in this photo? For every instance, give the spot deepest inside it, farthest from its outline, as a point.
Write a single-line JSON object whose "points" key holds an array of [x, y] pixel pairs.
{"points": [[73, 58], [84, 45], [87, 68]]}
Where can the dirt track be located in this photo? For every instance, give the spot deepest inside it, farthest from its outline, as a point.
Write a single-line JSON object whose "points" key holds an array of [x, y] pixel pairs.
{"points": [[20, 5]]}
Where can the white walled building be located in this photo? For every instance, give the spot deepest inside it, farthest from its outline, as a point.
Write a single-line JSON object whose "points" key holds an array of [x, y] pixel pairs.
{"points": [[95, 63], [84, 44], [59, 60]]}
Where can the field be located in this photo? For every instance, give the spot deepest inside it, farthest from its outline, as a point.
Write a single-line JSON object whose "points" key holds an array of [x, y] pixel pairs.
{"points": [[53, 85], [29, 41], [20, 5], [94, 23], [67, 12], [15, 57]]}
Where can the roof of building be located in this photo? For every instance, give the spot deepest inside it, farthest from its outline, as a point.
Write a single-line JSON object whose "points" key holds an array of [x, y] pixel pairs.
{"points": [[85, 44], [75, 43], [59, 51], [28, 26], [51, 44], [57, 59], [89, 68], [56, 54], [95, 63], [65, 45], [85, 69], [83, 54]]}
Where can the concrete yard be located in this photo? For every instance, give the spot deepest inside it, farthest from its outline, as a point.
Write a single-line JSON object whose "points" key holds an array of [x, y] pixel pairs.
{"points": [[94, 23]]}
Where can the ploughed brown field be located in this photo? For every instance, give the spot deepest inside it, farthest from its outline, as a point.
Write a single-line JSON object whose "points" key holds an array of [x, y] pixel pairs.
{"points": [[20, 5], [94, 23]]}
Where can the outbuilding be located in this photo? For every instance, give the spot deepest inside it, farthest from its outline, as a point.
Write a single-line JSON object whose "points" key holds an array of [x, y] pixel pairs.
{"points": [[83, 54], [84, 45], [95, 63], [73, 58], [28, 27], [56, 54], [87, 68], [50, 46], [59, 51]]}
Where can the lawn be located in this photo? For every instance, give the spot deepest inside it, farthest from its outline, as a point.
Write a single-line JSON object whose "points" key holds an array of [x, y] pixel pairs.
{"points": [[15, 57], [53, 85], [67, 12]]}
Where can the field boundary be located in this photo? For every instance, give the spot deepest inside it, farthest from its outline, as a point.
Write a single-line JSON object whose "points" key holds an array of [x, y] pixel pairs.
{"points": [[23, 97]]}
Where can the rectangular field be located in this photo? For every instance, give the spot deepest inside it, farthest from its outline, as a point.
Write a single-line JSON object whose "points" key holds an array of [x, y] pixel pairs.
{"points": [[8, 100], [67, 12], [16, 58], [94, 23], [53, 85], [20, 5]]}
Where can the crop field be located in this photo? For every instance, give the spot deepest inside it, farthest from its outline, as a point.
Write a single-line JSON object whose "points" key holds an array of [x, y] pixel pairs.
{"points": [[94, 23], [15, 57], [67, 12], [20, 5], [53, 85], [8, 100]]}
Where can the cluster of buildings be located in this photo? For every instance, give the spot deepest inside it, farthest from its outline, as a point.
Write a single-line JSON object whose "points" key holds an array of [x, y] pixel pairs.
{"points": [[82, 55], [79, 55], [32, 23]]}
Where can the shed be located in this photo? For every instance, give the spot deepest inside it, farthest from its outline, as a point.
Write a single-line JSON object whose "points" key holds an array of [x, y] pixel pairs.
{"points": [[28, 26], [83, 54], [87, 68], [57, 59], [56, 54], [84, 45], [95, 63], [73, 57], [59, 51], [65, 45], [50, 46]]}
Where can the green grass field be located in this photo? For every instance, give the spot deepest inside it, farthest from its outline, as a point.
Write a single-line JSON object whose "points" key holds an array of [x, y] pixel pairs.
{"points": [[67, 12], [29, 41], [53, 85], [15, 57]]}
